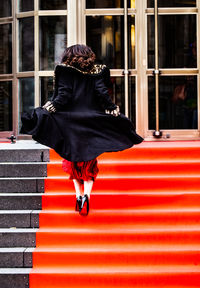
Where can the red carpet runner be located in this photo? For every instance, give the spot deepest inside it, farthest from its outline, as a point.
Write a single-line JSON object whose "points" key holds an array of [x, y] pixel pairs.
{"points": [[143, 229]]}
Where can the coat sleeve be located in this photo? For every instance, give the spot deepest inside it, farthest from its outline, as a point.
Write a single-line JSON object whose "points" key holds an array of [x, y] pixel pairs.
{"points": [[102, 92], [63, 88]]}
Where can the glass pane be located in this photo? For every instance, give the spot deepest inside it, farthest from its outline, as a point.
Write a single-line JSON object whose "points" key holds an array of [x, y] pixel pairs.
{"points": [[105, 35], [6, 48], [6, 106], [131, 3], [104, 4], [172, 3], [5, 8], [131, 41], [178, 102], [117, 92], [53, 40], [26, 44], [46, 89], [26, 5], [26, 96], [177, 41], [132, 107], [53, 4]]}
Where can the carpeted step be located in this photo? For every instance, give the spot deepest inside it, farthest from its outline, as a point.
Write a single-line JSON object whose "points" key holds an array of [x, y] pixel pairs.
{"points": [[142, 229], [136, 168], [135, 183], [117, 276], [119, 218], [151, 151], [129, 255], [124, 200], [49, 237]]}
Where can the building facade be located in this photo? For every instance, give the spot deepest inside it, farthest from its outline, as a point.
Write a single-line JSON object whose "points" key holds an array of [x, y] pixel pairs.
{"points": [[151, 47]]}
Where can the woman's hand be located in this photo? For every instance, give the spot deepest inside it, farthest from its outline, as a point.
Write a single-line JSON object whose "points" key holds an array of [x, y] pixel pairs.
{"points": [[49, 107], [115, 112]]}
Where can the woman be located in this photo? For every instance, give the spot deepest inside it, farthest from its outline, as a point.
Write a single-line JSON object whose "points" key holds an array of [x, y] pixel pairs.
{"points": [[81, 122]]}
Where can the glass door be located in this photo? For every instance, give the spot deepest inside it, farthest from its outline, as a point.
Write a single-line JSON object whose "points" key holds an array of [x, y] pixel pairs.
{"points": [[151, 48], [110, 32], [172, 69], [6, 69]]}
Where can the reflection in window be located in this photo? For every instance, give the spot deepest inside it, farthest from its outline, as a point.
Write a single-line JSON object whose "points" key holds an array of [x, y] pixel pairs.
{"points": [[53, 4], [132, 103], [131, 41], [172, 3], [6, 106], [105, 35], [26, 44], [5, 8], [46, 89], [53, 40], [177, 41], [26, 5], [178, 102], [26, 96], [131, 4], [6, 48], [116, 92], [95, 4]]}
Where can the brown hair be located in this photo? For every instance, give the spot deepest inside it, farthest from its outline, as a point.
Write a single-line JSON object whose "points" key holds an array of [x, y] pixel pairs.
{"points": [[79, 56]]}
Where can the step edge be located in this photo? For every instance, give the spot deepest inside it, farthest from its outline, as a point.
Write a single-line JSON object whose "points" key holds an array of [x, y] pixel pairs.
{"points": [[25, 271]]}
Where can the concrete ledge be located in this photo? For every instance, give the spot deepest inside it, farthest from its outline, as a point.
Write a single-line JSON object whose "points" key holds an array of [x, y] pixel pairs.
{"points": [[35, 219], [24, 151], [20, 185], [29, 169], [17, 238], [28, 257], [16, 257], [19, 218], [20, 202], [14, 278], [24, 155]]}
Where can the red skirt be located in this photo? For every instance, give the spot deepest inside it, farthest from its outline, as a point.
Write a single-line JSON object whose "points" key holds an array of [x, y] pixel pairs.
{"points": [[81, 171]]}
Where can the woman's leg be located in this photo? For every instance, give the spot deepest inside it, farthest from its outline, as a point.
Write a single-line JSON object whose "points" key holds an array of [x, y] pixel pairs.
{"points": [[78, 188], [85, 200], [88, 187]]}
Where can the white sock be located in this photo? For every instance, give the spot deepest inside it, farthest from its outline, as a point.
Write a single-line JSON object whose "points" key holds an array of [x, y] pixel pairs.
{"points": [[77, 186], [88, 187]]}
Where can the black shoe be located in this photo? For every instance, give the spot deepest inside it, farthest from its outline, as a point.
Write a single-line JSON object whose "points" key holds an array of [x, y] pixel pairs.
{"points": [[78, 203], [85, 206]]}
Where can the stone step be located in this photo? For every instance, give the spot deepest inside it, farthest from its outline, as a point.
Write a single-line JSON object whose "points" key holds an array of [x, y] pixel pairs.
{"points": [[15, 237], [14, 277], [29, 169], [21, 201], [21, 185], [19, 218], [24, 151], [19, 257], [24, 155]]}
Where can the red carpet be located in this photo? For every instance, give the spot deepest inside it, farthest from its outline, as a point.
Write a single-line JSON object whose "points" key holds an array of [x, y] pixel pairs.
{"points": [[143, 228]]}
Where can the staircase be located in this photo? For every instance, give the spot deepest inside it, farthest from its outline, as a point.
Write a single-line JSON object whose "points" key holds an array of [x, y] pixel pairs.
{"points": [[143, 229], [22, 171]]}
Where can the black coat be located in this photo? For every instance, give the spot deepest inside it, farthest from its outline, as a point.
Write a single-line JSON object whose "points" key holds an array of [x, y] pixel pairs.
{"points": [[80, 130]]}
